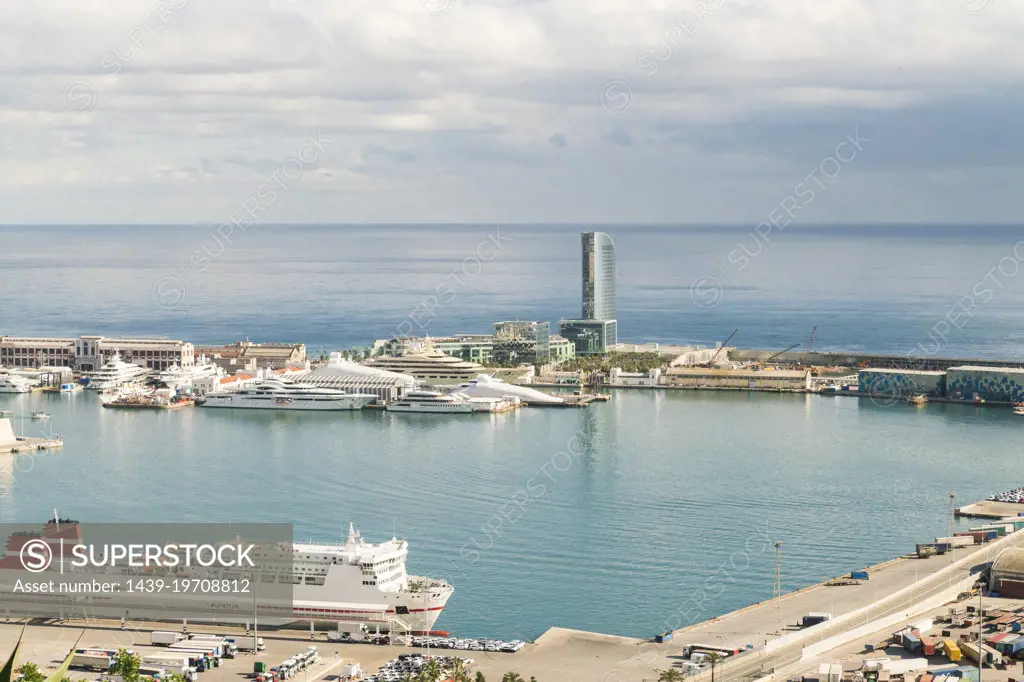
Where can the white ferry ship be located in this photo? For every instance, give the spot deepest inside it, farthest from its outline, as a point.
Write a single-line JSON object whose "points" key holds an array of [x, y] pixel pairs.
{"points": [[432, 402], [285, 394], [344, 586], [114, 373]]}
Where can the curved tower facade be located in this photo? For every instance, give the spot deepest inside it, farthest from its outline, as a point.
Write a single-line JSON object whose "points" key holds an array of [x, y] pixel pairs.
{"points": [[599, 278]]}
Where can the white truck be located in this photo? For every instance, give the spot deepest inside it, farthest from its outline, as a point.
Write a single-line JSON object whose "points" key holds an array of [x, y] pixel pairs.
{"points": [[246, 644], [165, 638], [91, 660]]}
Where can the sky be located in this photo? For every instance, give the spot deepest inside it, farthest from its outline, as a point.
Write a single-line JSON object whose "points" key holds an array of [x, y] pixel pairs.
{"points": [[617, 111]]}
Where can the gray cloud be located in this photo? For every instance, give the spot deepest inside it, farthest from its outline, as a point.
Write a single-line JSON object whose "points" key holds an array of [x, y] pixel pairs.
{"points": [[108, 112]]}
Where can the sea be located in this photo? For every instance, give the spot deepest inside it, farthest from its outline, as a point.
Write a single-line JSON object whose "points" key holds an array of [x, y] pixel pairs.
{"points": [[630, 517]]}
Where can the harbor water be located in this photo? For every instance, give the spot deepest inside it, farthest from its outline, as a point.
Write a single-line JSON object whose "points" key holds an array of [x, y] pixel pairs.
{"points": [[625, 517]]}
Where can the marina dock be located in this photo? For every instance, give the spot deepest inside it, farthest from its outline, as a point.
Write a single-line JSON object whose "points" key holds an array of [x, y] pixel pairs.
{"points": [[12, 444]]}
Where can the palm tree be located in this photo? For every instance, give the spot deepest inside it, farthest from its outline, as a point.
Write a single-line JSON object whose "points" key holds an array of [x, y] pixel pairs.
{"points": [[456, 670], [512, 677], [713, 658], [407, 677], [431, 671], [670, 675]]}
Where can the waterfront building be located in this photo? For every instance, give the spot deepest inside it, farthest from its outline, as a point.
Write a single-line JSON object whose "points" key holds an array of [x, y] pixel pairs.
{"points": [[598, 276], [764, 380], [561, 349], [521, 342], [901, 382], [589, 337], [616, 377], [89, 353], [248, 355], [428, 364], [44, 352], [998, 384], [1008, 573]]}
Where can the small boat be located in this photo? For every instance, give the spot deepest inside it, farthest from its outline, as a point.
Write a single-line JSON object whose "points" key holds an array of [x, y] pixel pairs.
{"points": [[40, 415], [978, 400], [918, 399], [1018, 408]]}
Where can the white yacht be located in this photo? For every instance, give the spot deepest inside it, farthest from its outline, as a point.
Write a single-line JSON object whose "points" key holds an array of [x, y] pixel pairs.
{"points": [[182, 377], [285, 394], [428, 365], [13, 384], [114, 373], [432, 401]]}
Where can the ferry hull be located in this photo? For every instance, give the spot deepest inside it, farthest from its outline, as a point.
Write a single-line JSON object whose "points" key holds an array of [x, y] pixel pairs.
{"points": [[348, 403]]}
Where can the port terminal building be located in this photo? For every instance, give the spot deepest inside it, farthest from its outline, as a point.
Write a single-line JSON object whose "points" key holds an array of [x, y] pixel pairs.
{"points": [[965, 382], [89, 353], [738, 379]]}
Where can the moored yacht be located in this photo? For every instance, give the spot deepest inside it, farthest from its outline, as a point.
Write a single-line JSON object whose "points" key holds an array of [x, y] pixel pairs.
{"points": [[429, 365], [432, 401], [285, 394], [182, 377], [114, 373], [13, 384]]}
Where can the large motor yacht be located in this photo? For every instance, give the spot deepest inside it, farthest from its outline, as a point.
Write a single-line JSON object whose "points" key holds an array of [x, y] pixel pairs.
{"points": [[432, 401], [13, 384], [285, 394], [182, 377], [115, 373], [428, 365]]}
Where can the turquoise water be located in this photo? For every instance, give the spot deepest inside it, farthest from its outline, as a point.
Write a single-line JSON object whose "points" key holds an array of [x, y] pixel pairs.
{"points": [[627, 517]]}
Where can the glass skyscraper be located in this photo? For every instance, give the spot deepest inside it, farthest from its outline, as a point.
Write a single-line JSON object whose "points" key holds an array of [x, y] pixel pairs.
{"points": [[599, 280]]}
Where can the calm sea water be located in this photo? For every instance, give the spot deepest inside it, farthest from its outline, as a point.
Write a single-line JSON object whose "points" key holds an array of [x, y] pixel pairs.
{"points": [[615, 518]]}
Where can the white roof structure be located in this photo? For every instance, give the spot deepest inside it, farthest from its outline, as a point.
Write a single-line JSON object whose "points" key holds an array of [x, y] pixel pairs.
{"points": [[347, 372], [486, 386]]}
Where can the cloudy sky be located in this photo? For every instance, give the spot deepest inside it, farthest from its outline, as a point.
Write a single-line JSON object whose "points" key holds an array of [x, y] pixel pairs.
{"points": [[179, 111]]}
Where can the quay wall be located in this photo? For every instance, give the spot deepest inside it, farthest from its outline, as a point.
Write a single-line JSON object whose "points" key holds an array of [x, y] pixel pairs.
{"points": [[872, 360]]}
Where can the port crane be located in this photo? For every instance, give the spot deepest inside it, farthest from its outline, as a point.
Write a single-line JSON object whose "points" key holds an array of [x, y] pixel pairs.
{"points": [[711, 362], [810, 344], [772, 357]]}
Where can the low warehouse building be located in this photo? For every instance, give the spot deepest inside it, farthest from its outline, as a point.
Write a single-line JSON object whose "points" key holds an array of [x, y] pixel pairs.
{"points": [[745, 379], [901, 382], [998, 384], [1008, 574]]}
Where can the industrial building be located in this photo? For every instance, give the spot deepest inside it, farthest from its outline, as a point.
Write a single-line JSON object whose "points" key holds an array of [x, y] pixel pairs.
{"points": [[996, 384], [901, 382], [248, 355], [89, 353], [1007, 573], [744, 379], [616, 377]]}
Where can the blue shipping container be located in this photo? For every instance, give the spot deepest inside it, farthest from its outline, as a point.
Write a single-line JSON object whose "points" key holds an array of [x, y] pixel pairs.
{"points": [[859, 575], [911, 642]]}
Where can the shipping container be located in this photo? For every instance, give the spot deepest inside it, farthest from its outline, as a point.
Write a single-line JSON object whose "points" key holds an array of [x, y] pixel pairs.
{"points": [[928, 646], [259, 667], [951, 650], [923, 625], [91, 660], [835, 673], [823, 671], [859, 575], [911, 642], [815, 619], [905, 665], [927, 550]]}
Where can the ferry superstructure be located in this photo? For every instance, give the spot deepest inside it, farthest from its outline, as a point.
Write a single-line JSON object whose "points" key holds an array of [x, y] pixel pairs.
{"points": [[286, 394], [429, 365], [348, 585], [114, 373]]}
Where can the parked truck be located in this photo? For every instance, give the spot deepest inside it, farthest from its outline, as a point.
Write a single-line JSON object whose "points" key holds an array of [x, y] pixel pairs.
{"points": [[165, 638]]}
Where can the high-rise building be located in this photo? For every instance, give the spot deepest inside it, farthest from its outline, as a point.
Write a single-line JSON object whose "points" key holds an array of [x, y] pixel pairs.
{"points": [[589, 337], [598, 277], [518, 341]]}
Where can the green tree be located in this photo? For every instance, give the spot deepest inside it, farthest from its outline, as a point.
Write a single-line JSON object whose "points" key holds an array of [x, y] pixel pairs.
{"points": [[30, 673], [431, 671], [126, 665], [175, 677], [456, 670], [479, 677], [670, 675], [512, 677], [407, 677], [713, 658], [533, 679]]}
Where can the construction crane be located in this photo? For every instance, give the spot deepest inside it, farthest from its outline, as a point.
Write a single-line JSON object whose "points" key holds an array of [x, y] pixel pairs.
{"points": [[810, 344], [711, 362], [772, 357]]}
